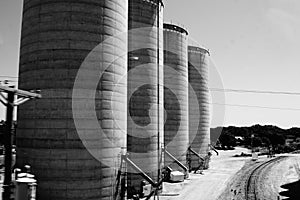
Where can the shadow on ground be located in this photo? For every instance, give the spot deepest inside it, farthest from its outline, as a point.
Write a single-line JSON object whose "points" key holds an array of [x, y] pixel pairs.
{"points": [[293, 190]]}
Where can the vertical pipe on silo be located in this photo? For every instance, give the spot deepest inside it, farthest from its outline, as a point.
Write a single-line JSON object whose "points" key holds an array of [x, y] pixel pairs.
{"points": [[175, 94], [145, 99], [57, 35], [198, 78]]}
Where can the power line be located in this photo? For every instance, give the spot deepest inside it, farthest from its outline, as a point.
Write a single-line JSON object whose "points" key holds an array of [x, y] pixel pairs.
{"points": [[13, 77], [255, 91], [254, 106], [213, 89]]}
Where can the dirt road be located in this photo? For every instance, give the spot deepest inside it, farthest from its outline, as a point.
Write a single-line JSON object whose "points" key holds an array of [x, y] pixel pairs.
{"points": [[263, 179]]}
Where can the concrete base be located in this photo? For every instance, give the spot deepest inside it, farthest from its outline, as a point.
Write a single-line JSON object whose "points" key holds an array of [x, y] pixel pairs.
{"points": [[176, 176]]}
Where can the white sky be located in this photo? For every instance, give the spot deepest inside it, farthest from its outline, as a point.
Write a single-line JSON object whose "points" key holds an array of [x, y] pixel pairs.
{"points": [[255, 44]]}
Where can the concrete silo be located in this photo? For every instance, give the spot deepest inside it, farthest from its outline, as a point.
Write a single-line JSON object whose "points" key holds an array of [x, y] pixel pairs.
{"points": [[199, 121], [176, 93], [145, 99], [57, 36]]}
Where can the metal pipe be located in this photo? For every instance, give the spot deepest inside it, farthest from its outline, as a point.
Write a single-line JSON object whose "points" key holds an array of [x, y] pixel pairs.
{"points": [[156, 185], [177, 162], [156, 188], [195, 153], [118, 180], [214, 149], [137, 169]]}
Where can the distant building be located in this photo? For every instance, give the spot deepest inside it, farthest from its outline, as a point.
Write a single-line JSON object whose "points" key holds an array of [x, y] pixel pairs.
{"points": [[292, 140], [239, 139], [289, 141]]}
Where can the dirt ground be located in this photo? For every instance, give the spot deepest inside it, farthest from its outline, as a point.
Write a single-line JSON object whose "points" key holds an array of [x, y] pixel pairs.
{"points": [[210, 185], [270, 179], [283, 173]]}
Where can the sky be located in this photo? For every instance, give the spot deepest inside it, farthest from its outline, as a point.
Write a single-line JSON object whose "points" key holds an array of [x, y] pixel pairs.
{"points": [[253, 43]]}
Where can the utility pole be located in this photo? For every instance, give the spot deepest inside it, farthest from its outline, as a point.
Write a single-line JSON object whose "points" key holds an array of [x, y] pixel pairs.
{"points": [[10, 103], [8, 146], [252, 148]]}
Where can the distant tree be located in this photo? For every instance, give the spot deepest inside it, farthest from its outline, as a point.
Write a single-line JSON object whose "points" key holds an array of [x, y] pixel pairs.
{"points": [[277, 139], [257, 142], [269, 136], [266, 141], [227, 140], [247, 141]]}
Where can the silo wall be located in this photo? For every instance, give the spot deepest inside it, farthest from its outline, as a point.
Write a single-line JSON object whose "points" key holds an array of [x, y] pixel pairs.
{"points": [[145, 93], [57, 36], [175, 93], [199, 118]]}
